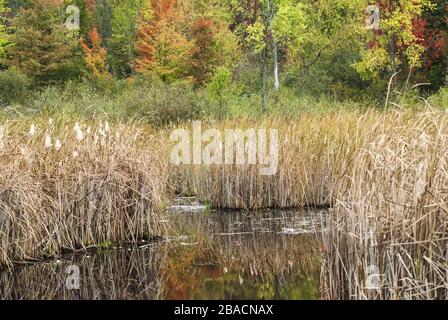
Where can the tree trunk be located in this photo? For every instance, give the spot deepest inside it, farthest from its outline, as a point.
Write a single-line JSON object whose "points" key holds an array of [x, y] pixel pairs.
{"points": [[263, 58], [392, 58], [276, 76]]}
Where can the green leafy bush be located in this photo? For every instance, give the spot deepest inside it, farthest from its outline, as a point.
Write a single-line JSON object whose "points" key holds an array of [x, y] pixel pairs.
{"points": [[14, 86], [440, 99]]}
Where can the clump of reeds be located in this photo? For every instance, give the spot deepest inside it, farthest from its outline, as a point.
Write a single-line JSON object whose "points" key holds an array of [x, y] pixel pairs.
{"points": [[314, 152], [387, 235], [65, 186]]}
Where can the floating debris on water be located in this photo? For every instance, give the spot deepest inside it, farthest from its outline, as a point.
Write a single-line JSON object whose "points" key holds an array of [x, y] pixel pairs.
{"points": [[292, 231], [187, 208], [186, 205], [186, 244]]}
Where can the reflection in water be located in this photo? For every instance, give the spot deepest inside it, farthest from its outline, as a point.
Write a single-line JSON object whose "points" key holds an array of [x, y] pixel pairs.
{"points": [[114, 275], [207, 255]]}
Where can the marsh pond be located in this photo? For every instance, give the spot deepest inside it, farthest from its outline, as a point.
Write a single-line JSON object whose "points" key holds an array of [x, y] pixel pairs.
{"points": [[205, 254]]}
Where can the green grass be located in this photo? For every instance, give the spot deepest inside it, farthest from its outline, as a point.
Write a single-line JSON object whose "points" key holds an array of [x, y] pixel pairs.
{"points": [[160, 104]]}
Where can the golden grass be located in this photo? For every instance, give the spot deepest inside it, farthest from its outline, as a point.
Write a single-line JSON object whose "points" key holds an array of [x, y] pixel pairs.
{"points": [[383, 174], [315, 151], [391, 215], [67, 185]]}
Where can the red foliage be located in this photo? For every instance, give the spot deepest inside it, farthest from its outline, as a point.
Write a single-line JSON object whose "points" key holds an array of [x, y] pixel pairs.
{"points": [[202, 30], [163, 9], [434, 41]]}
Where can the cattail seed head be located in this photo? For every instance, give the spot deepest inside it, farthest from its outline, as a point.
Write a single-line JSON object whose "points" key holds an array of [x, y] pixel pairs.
{"points": [[78, 132], [57, 145], [32, 131], [2, 134], [48, 143]]}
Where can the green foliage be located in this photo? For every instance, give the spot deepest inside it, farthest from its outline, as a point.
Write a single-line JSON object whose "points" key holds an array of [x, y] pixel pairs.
{"points": [[122, 41], [160, 103], [330, 44], [219, 87], [102, 15], [440, 99], [14, 86], [220, 82], [3, 29], [41, 45], [280, 21], [289, 24], [148, 100], [372, 63], [211, 57], [226, 50]]}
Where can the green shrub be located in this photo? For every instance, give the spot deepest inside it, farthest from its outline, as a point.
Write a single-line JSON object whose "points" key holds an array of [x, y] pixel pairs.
{"points": [[440, 99], [14, 86], [150, 101], [160, 103]]}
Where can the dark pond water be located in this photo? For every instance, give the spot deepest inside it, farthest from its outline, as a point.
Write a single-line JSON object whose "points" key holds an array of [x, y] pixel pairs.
{"points": [[207, 255]]}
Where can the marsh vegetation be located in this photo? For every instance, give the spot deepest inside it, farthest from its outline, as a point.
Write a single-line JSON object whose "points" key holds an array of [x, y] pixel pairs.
{"points": [[91, 93], [380, 174]]}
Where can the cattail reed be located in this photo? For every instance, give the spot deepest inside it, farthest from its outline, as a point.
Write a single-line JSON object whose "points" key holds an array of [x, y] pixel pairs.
{"points": [[66, 189], [387, 235], [314, 152]]}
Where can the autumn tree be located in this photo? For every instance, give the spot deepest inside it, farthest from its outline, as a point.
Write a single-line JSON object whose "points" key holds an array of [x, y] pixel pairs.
{"points": [[95, 56], [431, 30], [202, 31], [395, 47], [162, 46], [214, 46], [41, 46]]}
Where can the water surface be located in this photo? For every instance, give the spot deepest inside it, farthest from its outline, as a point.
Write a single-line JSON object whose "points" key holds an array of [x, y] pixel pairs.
{"points": [[206, 255]]}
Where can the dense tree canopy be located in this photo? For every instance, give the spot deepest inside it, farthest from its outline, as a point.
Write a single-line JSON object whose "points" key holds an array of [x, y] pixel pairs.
{"points": [[40, 45], [3, 34], [302, 44]]}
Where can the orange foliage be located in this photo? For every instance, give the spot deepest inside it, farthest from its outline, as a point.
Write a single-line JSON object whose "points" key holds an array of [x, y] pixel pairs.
{"points": [[95, 55], [162, 45], [90, 5], [163, 9]]}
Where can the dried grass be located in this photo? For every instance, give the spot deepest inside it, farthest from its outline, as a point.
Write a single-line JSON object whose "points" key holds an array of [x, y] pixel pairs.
{"points": [[108, 186], [391, 215]]}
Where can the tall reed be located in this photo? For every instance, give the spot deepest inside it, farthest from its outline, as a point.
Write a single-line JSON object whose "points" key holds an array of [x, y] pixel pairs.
{"points": [[314, 152], [70, 185], [387, 235]]}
